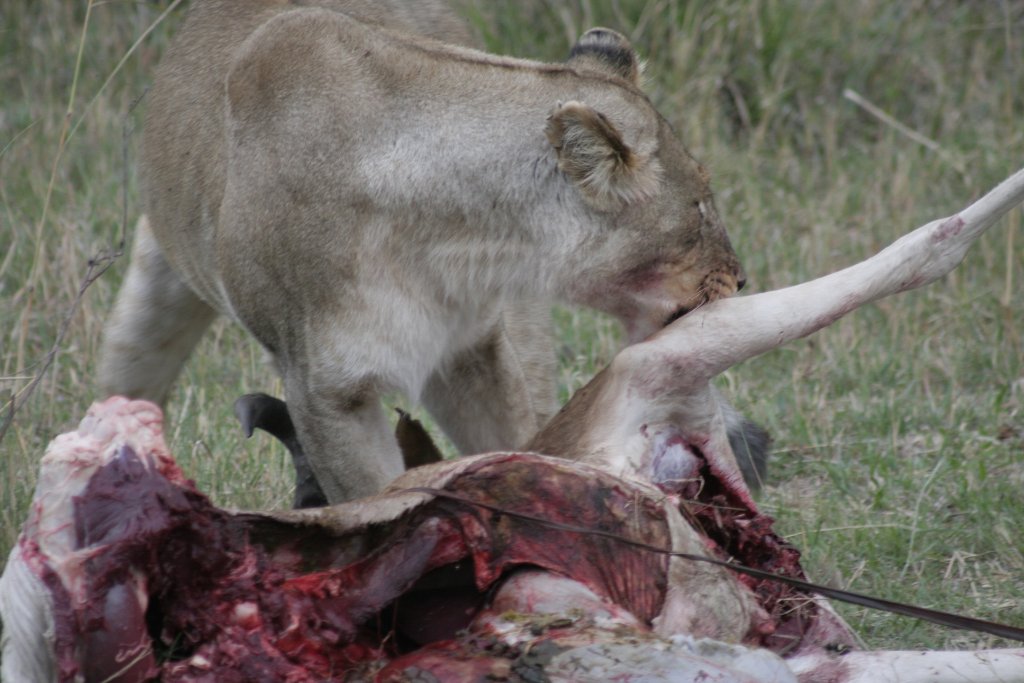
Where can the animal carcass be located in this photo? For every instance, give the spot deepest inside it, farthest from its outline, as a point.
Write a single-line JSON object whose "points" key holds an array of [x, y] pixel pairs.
{"points": [[508, 566]]}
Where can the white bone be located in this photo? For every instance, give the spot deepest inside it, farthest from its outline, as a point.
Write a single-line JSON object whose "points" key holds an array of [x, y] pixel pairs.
{"points": [[912, 666]]}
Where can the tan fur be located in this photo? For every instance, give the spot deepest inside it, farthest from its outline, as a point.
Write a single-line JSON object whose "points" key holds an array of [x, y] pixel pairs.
{"points": [[384, 211]]}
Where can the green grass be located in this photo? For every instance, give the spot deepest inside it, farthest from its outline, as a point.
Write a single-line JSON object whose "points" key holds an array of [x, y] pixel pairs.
{"points": [[898, 462]]}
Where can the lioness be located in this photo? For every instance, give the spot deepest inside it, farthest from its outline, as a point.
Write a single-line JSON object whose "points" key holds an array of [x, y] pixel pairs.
{"points": [[384, 211]]}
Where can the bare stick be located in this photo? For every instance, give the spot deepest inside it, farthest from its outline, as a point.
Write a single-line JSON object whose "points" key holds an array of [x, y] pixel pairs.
{"points": [[891, 121], [909, 132]]}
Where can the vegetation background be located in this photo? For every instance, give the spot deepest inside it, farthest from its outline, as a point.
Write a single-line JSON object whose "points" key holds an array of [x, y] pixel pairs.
{"points": [[831, 128]]}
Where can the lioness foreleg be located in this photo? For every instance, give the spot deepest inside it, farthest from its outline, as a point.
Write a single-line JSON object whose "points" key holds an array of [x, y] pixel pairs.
{"points": [[156, 323], [497, 394], [344, 432]]}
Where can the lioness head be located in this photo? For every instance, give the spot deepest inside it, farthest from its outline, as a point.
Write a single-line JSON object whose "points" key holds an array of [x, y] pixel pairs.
{"points": [[665, 250]]}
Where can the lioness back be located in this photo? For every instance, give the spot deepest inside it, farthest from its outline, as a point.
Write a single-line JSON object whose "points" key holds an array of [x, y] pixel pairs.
{"points": [[183, 153]]}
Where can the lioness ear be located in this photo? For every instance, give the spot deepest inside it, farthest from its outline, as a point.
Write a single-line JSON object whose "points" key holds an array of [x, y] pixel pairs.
{"points": [[602, 49], [593, 155]]}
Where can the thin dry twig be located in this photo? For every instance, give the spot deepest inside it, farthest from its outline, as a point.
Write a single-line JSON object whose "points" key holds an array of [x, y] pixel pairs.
{"points": [[99, 263], [120, 64], [891, 121], [97, 266], [907, 131]]}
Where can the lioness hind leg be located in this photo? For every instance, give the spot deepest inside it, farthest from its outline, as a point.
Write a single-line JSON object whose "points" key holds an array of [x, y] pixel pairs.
{"points": [[496, 395], [156, 323]]}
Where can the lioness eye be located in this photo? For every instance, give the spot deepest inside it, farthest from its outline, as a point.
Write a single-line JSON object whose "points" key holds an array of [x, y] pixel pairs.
{"points": [[703, 211]]}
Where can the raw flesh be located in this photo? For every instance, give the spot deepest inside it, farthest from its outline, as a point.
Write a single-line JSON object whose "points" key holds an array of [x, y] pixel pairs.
{"points": [[147, 580]]}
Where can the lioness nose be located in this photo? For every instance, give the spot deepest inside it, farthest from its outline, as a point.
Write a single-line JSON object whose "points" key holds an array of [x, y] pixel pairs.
{"points": [[741, 279]]}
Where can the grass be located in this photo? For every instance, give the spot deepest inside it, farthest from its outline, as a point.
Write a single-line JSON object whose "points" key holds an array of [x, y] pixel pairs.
{"points": [[898, 459]]}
